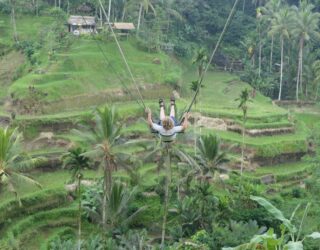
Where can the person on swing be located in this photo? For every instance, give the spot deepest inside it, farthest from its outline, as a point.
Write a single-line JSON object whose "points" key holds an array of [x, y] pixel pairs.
{"points": [[168, 127]]}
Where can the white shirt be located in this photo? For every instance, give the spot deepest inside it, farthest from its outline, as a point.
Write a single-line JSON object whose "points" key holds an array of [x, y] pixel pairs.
{"points": [[167, 135]]}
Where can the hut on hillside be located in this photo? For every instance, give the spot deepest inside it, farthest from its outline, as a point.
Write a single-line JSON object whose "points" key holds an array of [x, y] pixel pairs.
{"points": [[79, 25], [123, 28]]}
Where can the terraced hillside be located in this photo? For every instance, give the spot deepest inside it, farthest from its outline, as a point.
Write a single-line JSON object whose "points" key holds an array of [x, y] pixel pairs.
{"points": [[79, 79]]}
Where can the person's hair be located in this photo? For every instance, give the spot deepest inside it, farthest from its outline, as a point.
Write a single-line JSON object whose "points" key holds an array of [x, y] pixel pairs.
{"points": [[167, 123]]}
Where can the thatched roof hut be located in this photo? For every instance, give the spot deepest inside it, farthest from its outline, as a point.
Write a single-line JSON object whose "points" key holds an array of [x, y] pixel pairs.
{"points": [[123, 26], [81, 24]]}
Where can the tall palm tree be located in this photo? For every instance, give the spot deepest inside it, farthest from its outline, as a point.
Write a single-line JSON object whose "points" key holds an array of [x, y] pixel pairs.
{"points": [[280, 26], [201, 59], [166, 153], [13, 160], [305, 28], [144, 6], [104, 136], [243, 105], [75, 161], [316, 72], [268, 11]]}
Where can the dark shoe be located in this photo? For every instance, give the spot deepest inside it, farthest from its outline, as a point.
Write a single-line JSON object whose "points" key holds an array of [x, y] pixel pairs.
{"points": [[172, 100], [161, 103]]}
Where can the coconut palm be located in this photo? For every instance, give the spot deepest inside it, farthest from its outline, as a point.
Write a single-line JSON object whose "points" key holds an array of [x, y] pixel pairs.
{"points": [[201, 59], [243, 105], [209, 154], [305, 28], [104, 136], [280, 26], [75, 161], [268, 11], [316, 72], [13, 160], [166, 153], [144, 6]]}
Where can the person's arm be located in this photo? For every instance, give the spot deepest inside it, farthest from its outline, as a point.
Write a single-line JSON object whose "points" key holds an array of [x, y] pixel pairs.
{"points": [[149, 117], [185, 122]]}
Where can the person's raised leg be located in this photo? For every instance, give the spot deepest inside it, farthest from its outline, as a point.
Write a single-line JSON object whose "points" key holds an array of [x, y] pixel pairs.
{"points": [[162, 112], [172, 107]]}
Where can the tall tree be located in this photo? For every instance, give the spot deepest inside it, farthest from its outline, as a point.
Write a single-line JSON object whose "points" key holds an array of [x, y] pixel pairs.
{"points": [[109, 11], [305, 28], [268, 11], [144, 6], [104, 136], [13, 160], [280, 26], [243, 99]]}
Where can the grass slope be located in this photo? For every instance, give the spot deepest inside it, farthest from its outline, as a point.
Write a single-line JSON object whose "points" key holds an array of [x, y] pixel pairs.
{"points": [[83, 70]]}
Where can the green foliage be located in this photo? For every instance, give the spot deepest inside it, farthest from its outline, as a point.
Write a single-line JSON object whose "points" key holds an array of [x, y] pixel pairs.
{"points": [[75, 161], [290, 236], [119, 215], [13, 160], [209, 153]]}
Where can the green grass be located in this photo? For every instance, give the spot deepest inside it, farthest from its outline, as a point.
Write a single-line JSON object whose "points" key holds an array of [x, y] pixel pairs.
{"points": [[83, 70], [219, 94], [49, 180], [28, 27], [10, 65], [282, 169], [310, 120]]}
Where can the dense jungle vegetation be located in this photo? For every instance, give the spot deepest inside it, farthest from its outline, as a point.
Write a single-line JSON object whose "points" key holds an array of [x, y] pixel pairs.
{"points": [[79, 166]]}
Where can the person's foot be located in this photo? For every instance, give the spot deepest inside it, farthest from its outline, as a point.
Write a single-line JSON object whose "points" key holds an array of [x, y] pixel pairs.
{"points": [[161, 103], [172, 100]]}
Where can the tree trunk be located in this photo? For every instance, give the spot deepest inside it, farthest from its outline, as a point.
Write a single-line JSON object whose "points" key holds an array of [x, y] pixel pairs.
{"points": [[299, 73], [79, 215], [59, 3], [13, 20], [123, 13], [317, 89], [166, 197], [260, 50], [242, 146], [298, 80], [244, 5], [301, 69], [109, 11], [37, 7], [106, 191], [101, 18], [281, 68], [139, 17], [271, 53], [55, 3], [194, 130], [68, 7]]}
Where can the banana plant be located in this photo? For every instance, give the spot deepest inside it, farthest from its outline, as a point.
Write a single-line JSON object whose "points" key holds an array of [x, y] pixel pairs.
{"points": [[290, 238]]}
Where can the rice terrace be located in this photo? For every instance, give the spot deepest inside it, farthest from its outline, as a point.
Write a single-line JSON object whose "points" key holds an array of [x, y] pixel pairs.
{"points": [[159, 124]]}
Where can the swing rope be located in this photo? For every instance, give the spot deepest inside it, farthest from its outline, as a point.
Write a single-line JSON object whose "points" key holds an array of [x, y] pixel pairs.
{"points": [[231, 14], [122, 55], [109, 64]]}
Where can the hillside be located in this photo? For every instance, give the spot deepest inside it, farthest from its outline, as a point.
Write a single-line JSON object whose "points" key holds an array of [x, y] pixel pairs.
{"points": [[137, 192]]}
